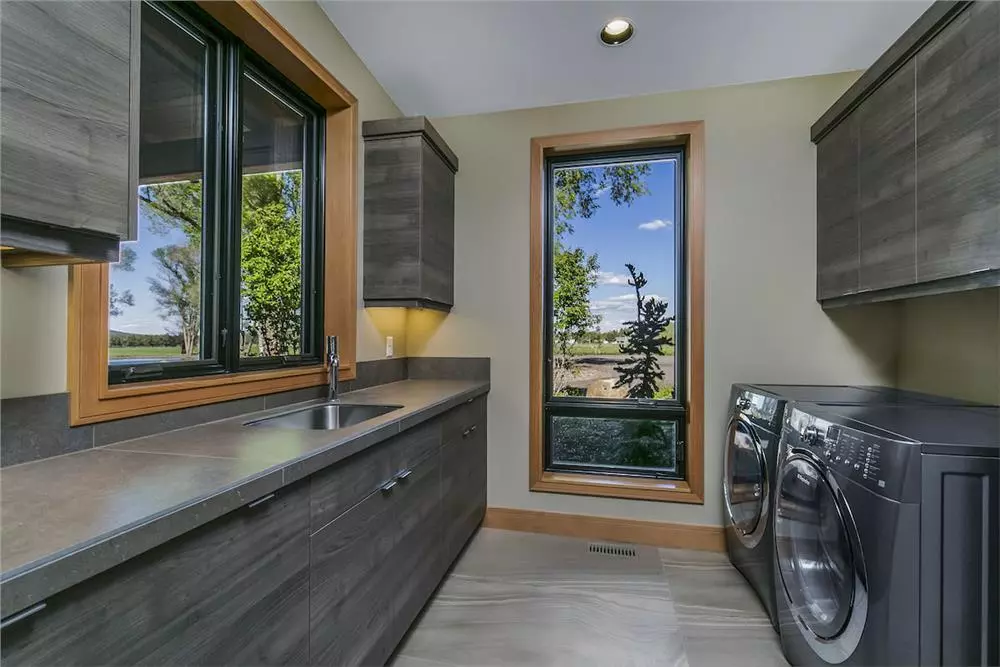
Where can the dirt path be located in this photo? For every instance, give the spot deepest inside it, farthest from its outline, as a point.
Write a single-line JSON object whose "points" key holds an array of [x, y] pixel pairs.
{"points": [[589, 369]]}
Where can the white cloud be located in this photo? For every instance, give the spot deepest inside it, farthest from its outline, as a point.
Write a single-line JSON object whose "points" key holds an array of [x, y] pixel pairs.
{"points": [[653, 225], [611, 278]]}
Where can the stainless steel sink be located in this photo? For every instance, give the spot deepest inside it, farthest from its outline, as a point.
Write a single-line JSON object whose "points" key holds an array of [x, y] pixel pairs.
{"points": [[326, 417]]}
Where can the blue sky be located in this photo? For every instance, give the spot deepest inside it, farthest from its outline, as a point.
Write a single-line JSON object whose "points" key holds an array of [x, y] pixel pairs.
{"points": [[143, 317], [642, 234]]}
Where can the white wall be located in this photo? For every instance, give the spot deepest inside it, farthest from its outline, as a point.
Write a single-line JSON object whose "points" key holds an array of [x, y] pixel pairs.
{"points": [[950, 345], [762, 320], [33, 301]]}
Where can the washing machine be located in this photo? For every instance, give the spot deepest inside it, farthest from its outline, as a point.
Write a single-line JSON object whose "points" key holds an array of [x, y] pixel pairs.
{"points": [[754, 429], [887, 535]]}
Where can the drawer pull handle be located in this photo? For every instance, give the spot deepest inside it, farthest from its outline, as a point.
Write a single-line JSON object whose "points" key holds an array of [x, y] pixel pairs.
{"points": [[467, 432], [260, 501], [389, 486], [404, 474], [20, 616]]}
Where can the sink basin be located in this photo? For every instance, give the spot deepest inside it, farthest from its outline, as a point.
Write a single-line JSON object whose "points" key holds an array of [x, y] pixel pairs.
{"points": [[326, 417]]}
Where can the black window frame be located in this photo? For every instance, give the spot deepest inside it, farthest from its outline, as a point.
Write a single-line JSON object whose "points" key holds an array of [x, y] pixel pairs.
{"points": [[669, 410], [228, 59]]}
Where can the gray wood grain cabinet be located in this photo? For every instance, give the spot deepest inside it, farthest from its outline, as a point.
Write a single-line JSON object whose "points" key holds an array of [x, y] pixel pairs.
{"points": [[838, 251], [233, 592], [958, 147], [921, 195], [409, 219], [69, 96], [332, 570]]}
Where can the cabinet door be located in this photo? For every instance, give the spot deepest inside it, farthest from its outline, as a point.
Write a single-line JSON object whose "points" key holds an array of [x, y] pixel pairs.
{"points": [[233, 592], [837, 243], [958, 146], [66, 80], [352, 587], [437, 228], [418, 554], [463, 487], [887, 183]]}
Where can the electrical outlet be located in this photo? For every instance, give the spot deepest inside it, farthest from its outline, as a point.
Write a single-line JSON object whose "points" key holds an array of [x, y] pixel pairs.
{"points": [[388, 346]]}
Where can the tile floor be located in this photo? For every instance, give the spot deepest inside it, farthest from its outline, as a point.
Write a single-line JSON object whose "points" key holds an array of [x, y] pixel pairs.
{"points": [[526, 599]]}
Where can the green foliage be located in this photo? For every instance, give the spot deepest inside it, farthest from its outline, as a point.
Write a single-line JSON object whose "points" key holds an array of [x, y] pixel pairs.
{"points": [[118, 300], [642, 443], [124, 339], [646, 335], [271, 262]]}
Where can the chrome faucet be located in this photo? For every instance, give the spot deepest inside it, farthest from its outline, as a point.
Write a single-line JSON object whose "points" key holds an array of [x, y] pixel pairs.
{"points": [[333, 362]]}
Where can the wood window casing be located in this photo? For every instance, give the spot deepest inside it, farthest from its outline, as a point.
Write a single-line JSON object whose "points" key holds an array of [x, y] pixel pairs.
{"points": [[92, 399], [691, 489]]}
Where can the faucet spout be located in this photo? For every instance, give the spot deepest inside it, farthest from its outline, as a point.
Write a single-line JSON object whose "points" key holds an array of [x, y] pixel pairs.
{"points": [[333, 365]]}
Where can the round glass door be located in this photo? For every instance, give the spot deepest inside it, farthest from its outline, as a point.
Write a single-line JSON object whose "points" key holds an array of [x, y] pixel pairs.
{"points": [[746, 479], [814, 550]]}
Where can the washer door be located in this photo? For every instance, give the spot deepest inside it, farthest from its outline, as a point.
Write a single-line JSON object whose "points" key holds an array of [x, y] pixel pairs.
{"points": [[746, 483], [819, 559]]}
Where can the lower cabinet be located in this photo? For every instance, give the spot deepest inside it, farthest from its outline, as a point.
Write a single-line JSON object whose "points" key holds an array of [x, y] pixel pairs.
{"points": [[330, 571], [233, 592], [352, 586]]}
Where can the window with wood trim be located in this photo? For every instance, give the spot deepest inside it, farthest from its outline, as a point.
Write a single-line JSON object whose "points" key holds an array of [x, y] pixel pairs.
{"points": [[246, 256], [616, 391], [226, 274]]}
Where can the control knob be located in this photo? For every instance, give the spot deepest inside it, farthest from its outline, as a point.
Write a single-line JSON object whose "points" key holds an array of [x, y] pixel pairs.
{"points": [[810, 435]]}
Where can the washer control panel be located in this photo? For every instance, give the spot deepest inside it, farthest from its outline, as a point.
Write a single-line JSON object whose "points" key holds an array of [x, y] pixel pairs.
{"points": [[878, 463]]}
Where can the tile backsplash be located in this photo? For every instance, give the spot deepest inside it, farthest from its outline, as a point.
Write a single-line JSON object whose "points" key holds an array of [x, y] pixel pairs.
{"points": [[37, 427]]}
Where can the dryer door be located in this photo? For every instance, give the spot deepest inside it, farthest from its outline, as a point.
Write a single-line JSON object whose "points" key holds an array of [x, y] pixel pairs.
{"points": [[819, 558], [746, 484]]}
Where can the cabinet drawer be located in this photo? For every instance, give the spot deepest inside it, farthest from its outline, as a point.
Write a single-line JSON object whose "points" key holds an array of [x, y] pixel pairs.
{"points": [[464, 420], [233, 592], [345, 484]]}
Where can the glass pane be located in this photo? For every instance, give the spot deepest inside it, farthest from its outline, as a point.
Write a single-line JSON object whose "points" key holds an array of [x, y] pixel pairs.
{"points": [[814, 551], [155, 292], [614, 280], [614, 442], [745, 479], [271, 231]]}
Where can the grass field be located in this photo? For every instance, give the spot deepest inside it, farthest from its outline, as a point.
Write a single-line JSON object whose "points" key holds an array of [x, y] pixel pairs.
{"points": [[604, 349], [144, 352]]}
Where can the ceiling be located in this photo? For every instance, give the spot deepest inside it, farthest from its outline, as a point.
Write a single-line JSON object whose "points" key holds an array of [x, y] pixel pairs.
{"points": [[448, 58]]}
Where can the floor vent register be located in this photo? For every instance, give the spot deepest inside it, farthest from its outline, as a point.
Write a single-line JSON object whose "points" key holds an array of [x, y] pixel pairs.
{"points": [[618, 550]]}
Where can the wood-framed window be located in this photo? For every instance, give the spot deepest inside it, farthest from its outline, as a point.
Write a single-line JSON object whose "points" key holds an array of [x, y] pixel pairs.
{"points": [[279, 194], [617, 379]]}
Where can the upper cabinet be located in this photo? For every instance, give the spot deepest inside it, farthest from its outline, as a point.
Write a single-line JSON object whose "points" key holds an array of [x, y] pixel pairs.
{"points": [[409, 228], [908, 165], [69, 79]]}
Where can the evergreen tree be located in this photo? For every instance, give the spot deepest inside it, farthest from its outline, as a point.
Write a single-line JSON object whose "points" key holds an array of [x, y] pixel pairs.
{"points": [[645, 335]]}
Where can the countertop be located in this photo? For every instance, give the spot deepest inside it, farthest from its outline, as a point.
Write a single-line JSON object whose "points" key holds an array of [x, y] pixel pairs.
{"points": [[68, 518]]}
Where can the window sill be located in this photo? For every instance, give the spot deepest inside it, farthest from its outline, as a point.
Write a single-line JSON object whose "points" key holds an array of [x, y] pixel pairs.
{"points": [[611, 486], [119, 402]]}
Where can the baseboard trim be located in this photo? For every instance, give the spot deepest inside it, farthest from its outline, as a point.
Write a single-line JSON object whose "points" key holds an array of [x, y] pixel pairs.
{"points": [[654, 533]]}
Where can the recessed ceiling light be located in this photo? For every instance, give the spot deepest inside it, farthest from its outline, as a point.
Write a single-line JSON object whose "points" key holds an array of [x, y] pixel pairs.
{"points": [[617, 31]]}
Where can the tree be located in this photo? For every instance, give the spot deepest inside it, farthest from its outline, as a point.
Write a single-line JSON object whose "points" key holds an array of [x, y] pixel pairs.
{"points": [[177, 289], [271, 261], [118, 300], [575, 272], [645, 335]]}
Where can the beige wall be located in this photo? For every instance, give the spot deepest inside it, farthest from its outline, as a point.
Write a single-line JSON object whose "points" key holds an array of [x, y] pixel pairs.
{"points": [[950, 345], [33, 301], [762, 320]]}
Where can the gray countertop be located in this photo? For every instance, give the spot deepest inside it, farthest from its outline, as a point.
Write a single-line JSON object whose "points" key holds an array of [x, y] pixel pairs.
{"points": [[68, 518]]}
